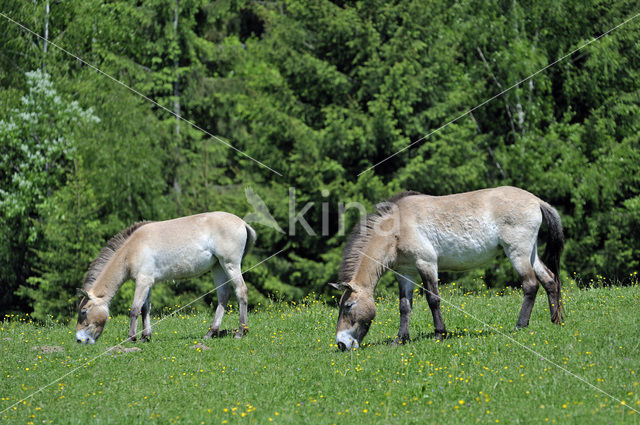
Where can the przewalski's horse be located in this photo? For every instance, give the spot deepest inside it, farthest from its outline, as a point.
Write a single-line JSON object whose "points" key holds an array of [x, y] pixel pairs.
{"points": [[150, 252], [452, 233]]}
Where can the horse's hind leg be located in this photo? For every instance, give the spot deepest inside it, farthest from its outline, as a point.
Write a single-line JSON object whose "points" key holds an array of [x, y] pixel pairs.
{"points": [[429, 275], [522, 265], [146, 318], [235, 275], [221, 281], [405, 286], [552, 286]]}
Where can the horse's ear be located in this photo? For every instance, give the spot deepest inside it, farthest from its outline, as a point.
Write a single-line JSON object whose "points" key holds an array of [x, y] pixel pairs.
{"points": [[341, 286], [81, 293]]}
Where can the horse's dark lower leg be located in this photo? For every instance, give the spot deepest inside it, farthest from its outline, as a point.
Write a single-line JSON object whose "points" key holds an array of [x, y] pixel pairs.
{"points": [[555, 304], [433, 298], [405, 317], [557, 315], [405, 286], [530, 289], [133, 326], [142, 292], [146, 318], [522, 261], [551, 285], [430, 282]]}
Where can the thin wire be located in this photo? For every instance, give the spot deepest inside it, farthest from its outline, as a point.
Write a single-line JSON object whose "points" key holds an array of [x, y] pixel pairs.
{"points": [[115, 346], [502, 92], [505, 335], [140, 94]]}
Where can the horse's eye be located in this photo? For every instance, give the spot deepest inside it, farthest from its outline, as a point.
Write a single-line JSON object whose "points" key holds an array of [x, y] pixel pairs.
{"points": [[83, 312], [348, 305]]}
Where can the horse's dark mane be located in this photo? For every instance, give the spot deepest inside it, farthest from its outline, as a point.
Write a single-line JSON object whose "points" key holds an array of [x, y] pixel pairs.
{"points": [[361, 235], [395, 198], [107, 252]]}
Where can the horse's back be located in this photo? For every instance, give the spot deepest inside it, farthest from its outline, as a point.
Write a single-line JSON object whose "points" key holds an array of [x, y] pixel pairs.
{"points": [[189, 228], [468, 210], [187, 246], [466, 230]]}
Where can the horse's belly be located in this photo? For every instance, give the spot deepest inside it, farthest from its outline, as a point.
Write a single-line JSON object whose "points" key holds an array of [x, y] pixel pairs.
{"points": [[457, 253], [465, 259], [182, 265]]}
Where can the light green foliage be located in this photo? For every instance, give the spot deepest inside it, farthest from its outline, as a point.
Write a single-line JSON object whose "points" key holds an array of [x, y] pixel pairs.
{"points": [[38, 145]]}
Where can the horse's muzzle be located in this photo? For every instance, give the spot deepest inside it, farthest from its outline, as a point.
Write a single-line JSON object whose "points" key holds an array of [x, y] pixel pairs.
{"points": [[84, 337], [345, 341]]}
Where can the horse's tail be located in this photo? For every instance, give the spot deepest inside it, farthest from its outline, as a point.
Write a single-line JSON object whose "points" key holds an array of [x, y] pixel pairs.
{"points": [[251, 239], [555, 245]]}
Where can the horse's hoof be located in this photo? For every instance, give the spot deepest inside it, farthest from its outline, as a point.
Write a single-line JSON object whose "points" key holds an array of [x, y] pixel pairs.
{"points": [[399, 341], [441, 336], [145, 338], [131, 339], [214, 333]]}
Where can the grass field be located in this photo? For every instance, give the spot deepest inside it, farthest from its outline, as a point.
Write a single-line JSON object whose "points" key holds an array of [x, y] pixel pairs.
{"points": [[288, 371]]}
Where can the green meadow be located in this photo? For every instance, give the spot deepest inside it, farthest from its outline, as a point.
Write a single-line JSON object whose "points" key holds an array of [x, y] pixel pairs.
{"points": [[287, 370]]}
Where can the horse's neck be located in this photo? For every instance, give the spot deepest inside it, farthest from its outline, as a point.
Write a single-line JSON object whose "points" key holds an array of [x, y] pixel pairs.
{"points": [[376, 256], [111, 278]]}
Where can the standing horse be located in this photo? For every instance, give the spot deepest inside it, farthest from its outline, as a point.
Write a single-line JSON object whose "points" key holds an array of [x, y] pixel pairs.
{"points": [[149, 252], [453, 233]]}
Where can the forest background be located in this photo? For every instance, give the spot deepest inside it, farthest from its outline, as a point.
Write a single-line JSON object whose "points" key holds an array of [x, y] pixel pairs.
{"points": [[319, 92]]}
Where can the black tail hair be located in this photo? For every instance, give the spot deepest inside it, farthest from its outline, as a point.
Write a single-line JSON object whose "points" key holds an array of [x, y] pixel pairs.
{"points": [[553, 250], [251, 239], [555, 239]]}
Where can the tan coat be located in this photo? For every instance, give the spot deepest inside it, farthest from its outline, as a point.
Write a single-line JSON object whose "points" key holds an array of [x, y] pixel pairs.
{"points": [[150, 252], [454, 233]]}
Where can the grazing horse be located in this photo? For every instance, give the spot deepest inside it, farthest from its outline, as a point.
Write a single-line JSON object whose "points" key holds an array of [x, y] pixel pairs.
{"points": [[453, 233], [150, 252]]}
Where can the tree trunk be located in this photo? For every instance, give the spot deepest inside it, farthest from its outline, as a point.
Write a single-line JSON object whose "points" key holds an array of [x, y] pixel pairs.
{"points": [[176, 98], [45, 44]]}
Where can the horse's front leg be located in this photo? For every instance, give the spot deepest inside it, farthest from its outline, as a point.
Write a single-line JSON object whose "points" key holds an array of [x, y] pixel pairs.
{"points": [[143, 286], [146, 318], [429, 275], [405, 286]]}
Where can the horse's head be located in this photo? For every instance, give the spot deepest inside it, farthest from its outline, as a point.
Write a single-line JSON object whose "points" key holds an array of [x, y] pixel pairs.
{"points": [[92, 316], [357, 310]]}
